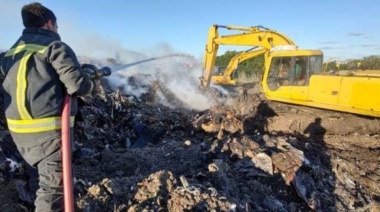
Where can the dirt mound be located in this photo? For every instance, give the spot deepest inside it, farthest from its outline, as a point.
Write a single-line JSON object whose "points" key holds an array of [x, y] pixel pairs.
{"points": [[134, 154]]}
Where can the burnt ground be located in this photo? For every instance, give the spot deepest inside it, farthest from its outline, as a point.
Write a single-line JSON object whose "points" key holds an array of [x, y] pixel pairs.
{"points": [[247, 154]]}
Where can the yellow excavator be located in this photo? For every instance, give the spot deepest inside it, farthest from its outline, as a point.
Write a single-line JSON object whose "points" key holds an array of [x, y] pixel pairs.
{"points": [[293, 75]]}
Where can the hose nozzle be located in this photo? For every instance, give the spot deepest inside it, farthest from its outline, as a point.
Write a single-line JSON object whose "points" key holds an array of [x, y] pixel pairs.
{"points": [[94, 73]]}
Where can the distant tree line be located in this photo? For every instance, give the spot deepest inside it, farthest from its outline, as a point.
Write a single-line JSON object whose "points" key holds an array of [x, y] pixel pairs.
{"points": [[366, 63]]}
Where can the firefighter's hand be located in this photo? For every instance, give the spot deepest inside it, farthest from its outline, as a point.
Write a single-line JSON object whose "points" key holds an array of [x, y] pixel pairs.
{"points": [[98, 88]]}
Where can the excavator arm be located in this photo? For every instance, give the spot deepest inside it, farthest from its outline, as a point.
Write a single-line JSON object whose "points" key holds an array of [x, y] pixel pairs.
{"points": [[226, 77], [257, 36]]}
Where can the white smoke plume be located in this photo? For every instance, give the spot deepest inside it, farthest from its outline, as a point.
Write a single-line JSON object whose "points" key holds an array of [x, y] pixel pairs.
{"points": [[135, 72]]}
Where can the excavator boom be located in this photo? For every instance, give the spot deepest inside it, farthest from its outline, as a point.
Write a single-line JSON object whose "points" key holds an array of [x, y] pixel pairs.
{"points": [[251, 36]]}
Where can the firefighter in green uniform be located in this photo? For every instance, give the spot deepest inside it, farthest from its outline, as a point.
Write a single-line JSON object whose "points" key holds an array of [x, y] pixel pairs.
{"points": [[38, 71]]}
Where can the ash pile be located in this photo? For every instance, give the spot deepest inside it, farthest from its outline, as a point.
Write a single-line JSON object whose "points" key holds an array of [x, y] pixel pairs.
{"points": [[230, 157], [138, 154]]}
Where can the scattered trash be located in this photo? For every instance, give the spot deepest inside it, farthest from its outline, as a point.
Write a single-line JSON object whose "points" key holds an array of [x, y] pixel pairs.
{"points": [[133, 153]]}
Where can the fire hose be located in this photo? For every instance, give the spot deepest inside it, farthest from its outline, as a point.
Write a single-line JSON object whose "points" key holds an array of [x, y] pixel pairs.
{"points": [[68, 191]]}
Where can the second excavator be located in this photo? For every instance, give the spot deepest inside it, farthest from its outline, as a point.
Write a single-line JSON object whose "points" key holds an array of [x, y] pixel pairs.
{"points": [[293, 75]]}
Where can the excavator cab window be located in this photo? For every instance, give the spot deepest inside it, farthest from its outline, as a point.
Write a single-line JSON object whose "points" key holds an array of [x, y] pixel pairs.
{"points": [[219, 70], [288, 71], [315, 65], [279, 72], [292, 71], [300, 70]]}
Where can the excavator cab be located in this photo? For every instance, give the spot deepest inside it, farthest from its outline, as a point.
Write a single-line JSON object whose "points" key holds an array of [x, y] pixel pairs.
{"points": [[287, 73], [293, 70], [297, 77]]}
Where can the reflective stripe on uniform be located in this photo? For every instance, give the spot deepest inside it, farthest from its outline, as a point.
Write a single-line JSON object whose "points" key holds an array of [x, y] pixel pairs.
{"points": [[21, 86], [26, 47], [37, 125], [21, 80]]}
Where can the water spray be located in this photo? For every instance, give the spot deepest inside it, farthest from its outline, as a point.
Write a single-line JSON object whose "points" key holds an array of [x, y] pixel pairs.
{"points": [[119, 67]]}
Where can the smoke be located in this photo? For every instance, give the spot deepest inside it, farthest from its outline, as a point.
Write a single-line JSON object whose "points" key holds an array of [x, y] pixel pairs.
{"points": [[135, 70], [89, 43], [174, 72]]}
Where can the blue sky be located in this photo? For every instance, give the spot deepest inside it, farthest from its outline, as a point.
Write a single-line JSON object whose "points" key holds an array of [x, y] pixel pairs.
{"points": [[344, 29]]}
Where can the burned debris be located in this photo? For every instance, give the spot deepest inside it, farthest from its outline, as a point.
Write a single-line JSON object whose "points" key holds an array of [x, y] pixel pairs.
{"points": [[135, 154]]}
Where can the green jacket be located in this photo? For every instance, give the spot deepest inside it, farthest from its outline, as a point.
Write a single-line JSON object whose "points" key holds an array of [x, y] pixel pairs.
{"points": [[39, 70]]}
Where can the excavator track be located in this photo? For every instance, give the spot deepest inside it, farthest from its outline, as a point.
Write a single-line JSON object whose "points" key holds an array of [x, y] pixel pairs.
{"points": [[333, 122]]}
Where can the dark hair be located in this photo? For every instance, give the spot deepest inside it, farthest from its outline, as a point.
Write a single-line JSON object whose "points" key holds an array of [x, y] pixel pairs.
{"points": [[36, 15]]}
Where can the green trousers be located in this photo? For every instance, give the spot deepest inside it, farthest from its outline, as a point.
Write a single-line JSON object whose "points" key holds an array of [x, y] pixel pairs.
{"points": [[47, 158]]}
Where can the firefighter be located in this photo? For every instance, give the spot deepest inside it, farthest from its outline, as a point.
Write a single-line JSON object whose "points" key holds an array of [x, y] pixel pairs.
{"points": [[39, 70]]}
